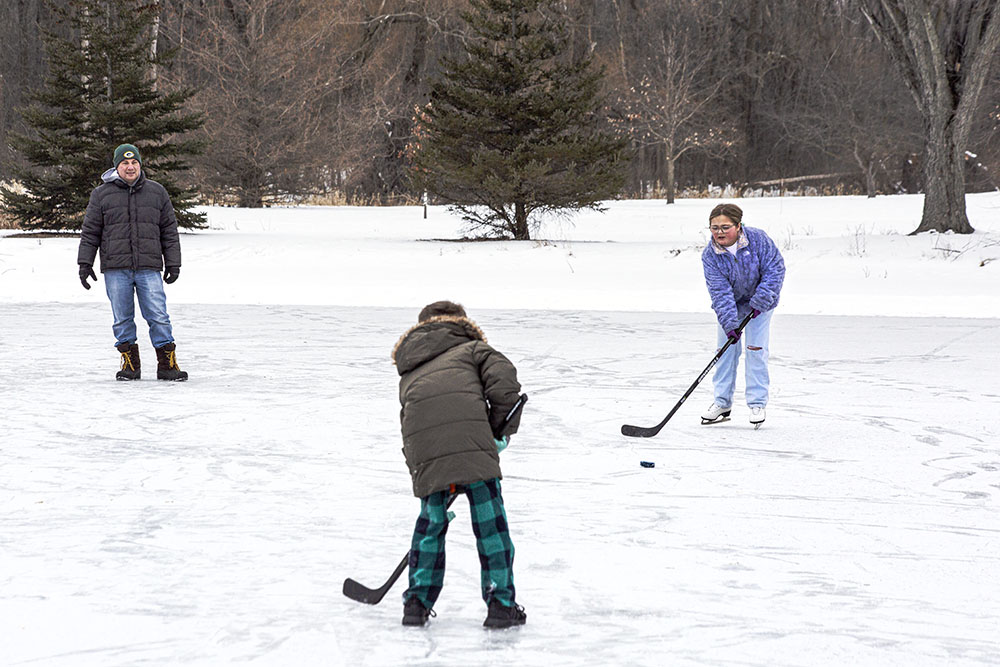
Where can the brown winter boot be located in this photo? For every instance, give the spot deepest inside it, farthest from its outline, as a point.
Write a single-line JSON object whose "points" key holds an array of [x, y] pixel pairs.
{"points": [[130, 362], [166, 364]]}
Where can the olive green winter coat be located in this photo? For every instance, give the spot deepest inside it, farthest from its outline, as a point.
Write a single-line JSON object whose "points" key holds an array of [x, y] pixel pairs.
{"points": [[455, 390]]}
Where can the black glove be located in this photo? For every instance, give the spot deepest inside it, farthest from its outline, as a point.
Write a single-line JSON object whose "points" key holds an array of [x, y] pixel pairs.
{"points": [[170, 275], [85, 271]]}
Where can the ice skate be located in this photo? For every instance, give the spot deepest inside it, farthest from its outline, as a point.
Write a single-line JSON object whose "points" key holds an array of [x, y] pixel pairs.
{"points": [[757, 417], [715, 414]]}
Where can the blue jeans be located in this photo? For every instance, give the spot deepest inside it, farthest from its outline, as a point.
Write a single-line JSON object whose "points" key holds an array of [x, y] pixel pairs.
{"points": [[756, 336], [123, 286]]}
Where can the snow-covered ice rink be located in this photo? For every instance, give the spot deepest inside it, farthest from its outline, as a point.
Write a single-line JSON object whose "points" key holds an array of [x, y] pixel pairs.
{"points": [[214, 521]]}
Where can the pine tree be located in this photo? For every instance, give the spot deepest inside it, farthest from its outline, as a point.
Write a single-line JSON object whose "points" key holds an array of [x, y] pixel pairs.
{"points": [[100, 92], [514, 128]]}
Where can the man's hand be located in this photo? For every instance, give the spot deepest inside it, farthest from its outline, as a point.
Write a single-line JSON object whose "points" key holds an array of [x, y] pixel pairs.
{"points": [[170, 275], [732, 335], [755, 313], [501, 443], [86, 270]]}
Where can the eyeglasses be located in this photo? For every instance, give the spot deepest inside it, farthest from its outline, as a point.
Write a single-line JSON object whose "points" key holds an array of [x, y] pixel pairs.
{"points": [[720, 228]]}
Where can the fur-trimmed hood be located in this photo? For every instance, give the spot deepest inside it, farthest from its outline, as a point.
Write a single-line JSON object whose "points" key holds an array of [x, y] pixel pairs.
{"points": [[454, 393], [430, 338]]}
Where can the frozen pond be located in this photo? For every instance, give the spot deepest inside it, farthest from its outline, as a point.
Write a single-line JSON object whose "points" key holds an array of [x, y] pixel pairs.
{"points": [[214, 521]]}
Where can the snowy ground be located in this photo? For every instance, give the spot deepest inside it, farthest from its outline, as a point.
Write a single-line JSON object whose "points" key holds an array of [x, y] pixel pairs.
{"points": [[845, 256], [214, 521]]}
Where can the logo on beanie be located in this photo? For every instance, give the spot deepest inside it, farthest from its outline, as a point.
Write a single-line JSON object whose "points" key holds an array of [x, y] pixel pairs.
{"points": [[126, 152]]}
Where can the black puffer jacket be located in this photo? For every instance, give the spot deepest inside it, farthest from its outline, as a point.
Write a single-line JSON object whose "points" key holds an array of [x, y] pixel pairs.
{"points": [[133, 226], [455, 390]]}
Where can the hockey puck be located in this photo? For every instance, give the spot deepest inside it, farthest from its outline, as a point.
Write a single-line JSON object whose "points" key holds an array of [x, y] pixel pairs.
{"points": [[647, 464]]}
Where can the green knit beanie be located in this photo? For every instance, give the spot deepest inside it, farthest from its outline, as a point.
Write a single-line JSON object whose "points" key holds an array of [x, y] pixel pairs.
{"points": [[126, 152]]}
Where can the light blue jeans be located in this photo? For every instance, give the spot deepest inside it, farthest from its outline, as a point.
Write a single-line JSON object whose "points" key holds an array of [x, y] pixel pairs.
{"points": [[755, 336], [123, 285]]}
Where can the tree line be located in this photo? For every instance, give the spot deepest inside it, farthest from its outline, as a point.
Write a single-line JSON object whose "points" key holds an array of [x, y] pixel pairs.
{"points": [[320, 100]]}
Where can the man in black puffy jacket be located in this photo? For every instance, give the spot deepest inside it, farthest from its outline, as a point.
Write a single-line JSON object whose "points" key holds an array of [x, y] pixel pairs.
{"points": [[131, 221], [456, 392]]}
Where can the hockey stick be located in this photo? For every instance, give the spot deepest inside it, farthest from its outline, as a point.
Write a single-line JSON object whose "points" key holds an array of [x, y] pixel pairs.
{"points": [[649, 432], [360, 592]]}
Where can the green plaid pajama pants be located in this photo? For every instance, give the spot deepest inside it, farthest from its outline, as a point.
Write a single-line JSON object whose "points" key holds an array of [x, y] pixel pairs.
{"points": [[489, 523]]}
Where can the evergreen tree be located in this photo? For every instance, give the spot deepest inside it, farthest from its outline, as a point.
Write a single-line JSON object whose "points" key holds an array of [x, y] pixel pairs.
{"points": [[100, 92], [514, 128]]}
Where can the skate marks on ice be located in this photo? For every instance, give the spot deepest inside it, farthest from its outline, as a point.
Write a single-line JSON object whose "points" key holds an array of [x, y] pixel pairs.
{"points": [[177, 523], [853, 440], [845, 462], [852, 464], [910, 384], [214, 521]]}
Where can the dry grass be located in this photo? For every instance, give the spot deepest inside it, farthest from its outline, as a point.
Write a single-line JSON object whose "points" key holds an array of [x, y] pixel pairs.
{"points": [[6, 221], [329, 199], [332, 198], [337, 198]]}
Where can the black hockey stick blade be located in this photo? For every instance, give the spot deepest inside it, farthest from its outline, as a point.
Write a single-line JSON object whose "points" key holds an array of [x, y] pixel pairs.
{"points": [[641, 431], [361, 593]]}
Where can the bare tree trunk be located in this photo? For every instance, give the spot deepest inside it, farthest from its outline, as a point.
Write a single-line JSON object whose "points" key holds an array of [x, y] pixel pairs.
{"points": [[757, 55], [670, 164], [413, 74], [251, 187], [107, 57], [944, 183], [180, 24], [521, 222], [620, 32], [155, 36], [944, 52], [867, 165]]}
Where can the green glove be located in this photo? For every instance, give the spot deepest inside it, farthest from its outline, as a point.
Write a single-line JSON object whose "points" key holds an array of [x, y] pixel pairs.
{"points": [[501, 443]]}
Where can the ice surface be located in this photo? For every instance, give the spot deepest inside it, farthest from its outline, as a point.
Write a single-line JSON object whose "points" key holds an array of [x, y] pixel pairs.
{"points": [[214, 521]]}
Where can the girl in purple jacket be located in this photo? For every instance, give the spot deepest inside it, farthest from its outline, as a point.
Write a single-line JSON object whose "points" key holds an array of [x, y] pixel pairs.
{"points": [[744, 272]]}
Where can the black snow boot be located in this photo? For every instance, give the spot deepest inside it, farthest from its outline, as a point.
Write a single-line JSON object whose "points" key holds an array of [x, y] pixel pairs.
{"points": [[500, 616], [166, 364], [130, 362], [415, 613]]}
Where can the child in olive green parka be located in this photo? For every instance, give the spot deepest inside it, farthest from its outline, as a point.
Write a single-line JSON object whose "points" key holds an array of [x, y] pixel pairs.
{"points": [[455, 391]]}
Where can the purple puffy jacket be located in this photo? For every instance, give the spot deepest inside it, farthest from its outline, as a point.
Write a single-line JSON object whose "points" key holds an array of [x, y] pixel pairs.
{"points": [[749, 279]]}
